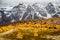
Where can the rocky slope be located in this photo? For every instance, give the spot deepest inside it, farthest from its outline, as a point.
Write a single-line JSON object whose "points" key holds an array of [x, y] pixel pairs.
{"points": [[29, 11]]}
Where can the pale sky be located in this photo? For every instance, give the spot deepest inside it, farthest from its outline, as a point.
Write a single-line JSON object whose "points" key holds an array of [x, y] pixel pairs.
{"points": [[15, 2]]}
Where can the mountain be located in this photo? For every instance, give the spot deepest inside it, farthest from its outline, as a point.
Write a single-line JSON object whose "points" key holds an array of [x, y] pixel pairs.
{"points": [[50, 8], [30, 11]]}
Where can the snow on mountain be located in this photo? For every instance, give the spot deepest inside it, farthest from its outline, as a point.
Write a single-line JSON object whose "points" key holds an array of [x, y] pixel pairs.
{"points": [[29, 11]]}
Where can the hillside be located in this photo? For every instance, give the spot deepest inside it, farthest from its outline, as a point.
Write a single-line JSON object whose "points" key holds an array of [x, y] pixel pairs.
{"points": [[31, 28]]}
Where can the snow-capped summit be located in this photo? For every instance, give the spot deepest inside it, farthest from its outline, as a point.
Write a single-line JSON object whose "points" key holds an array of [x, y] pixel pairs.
{"points": [[24, 11]]}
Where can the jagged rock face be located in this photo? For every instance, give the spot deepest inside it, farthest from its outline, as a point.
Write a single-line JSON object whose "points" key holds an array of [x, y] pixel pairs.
{"points": [[29, 11], [50, 8], [0, 17], [5, 17]]}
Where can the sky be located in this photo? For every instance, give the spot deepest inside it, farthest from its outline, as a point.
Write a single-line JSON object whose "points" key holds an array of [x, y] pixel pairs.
{"points": [[16, 2]]}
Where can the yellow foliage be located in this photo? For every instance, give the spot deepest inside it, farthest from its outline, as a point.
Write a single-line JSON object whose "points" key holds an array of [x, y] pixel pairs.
{"points": [[1, 30], [32, 26], [58, 26], [19, 35], [35, 34], [36, 30]]}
